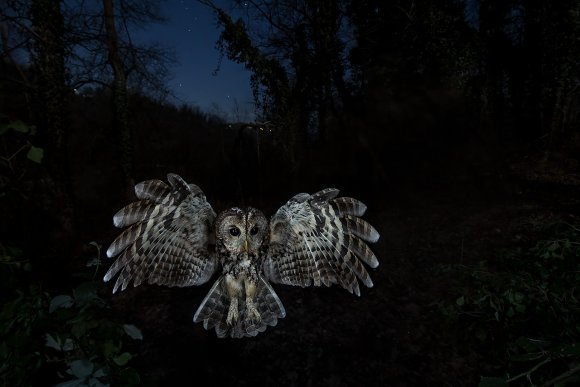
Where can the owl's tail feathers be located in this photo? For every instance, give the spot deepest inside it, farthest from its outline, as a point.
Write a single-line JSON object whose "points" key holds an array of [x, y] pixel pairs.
{"points": [[214, 308]]}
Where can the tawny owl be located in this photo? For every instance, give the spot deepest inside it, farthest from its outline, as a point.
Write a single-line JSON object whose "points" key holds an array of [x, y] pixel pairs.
{"points": [[175, 239]]}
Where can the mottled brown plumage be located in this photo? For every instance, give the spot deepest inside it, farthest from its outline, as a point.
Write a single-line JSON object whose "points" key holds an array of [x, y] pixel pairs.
{"points": [[174, 238]]}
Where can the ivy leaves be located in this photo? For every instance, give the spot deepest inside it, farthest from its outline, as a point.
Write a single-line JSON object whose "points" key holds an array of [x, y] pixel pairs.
{"points": [[93, 348]]}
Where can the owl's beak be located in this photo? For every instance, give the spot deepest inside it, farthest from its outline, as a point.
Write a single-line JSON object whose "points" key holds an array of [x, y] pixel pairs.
{"points": [[245, 245]]}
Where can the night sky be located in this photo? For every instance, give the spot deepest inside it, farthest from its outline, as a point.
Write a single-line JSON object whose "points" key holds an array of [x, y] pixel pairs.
{"points": [[191, 32]]}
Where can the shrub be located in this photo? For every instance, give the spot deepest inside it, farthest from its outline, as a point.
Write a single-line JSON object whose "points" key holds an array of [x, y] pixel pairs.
{"points": [[68, 337], [522, 310]]}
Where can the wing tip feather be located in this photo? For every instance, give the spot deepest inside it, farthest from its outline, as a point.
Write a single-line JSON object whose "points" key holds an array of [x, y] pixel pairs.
{"points": [[373, 236], [118, 220], [116, 287], [140, 189], [111, 252], [282, 314]]}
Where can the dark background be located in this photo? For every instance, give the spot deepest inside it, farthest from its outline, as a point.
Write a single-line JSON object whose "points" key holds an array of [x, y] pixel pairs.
{"points": [[456, 122]]}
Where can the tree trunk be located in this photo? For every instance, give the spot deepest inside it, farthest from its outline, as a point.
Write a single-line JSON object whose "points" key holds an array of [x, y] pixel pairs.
{"points": [[496, 51], [119, 98], [48, 24]]}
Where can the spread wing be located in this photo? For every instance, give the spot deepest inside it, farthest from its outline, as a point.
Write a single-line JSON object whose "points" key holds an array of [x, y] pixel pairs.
{"points": [[319, 239], [168, 239]]}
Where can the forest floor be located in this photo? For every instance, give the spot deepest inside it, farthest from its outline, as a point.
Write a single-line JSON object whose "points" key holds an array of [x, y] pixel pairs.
{"points": [[394, 334]]}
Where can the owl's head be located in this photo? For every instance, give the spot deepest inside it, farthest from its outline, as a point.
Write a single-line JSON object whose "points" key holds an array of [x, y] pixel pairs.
{"points": [[242, 230]]}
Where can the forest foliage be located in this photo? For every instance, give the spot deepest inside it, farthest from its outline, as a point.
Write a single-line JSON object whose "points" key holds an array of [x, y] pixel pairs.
{"points": [[525, 303]]}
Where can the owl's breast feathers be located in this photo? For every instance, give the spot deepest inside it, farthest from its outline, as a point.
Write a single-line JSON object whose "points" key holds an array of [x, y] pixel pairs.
{"points": [[241, 266]]}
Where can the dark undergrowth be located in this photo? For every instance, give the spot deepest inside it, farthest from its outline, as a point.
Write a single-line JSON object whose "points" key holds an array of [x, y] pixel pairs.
{"points": [[466, 293], [477, 284]]}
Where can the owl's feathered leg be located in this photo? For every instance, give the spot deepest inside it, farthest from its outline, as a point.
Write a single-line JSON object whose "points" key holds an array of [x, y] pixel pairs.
{"points": [[250, 295], [234, 288], [232, 312]]}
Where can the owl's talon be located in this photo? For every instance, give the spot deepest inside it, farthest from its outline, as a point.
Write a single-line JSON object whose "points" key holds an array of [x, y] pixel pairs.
{"points": [[232, 312], [252, 310]]}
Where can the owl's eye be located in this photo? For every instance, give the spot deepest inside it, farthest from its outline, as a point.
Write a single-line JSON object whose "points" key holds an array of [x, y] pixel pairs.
{"points": [[254, 230], [234, 231]]}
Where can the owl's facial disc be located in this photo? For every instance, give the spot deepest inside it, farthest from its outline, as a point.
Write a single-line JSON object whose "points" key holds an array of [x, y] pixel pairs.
{"points": [[242, 231]]}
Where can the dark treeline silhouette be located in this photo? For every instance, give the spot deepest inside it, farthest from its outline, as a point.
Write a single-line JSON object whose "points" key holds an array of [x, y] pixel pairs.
{"points": [[457, 122], [514, 64], [412, 83]]}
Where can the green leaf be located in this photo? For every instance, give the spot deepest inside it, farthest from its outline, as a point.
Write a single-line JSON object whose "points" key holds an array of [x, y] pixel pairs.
{"points": [[109, 348], [35, 154], [17, 126], [133, 331], [68, 345], [51, 342], [81, 368], [62, 301], [100, 373], [122, 359], [492, 382], [460, 301]]}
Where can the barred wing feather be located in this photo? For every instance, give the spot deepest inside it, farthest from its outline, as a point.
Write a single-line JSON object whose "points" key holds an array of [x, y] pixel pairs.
{"points": [[167, 239], [320, 239]]}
